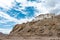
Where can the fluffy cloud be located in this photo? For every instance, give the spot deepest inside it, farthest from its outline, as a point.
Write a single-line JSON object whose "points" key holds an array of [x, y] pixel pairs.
{"points": [[52, 6], [6, 3], [6, 16], [37, 5], [6, 31]]}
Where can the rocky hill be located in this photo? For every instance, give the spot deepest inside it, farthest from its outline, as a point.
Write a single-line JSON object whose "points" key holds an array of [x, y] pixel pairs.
{"points": [[48, 26], [42, 27]]}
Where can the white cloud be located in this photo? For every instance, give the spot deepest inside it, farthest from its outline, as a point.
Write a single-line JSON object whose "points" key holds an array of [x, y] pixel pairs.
{"points": [[6, 31], [25, 20], [6, 16], [6, 3], [52, 6], [44, 6], [9, 18], [39, 6]]}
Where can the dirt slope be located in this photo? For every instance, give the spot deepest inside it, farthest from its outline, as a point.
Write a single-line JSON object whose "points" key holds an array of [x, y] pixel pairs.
{"points": [[47, 28]]}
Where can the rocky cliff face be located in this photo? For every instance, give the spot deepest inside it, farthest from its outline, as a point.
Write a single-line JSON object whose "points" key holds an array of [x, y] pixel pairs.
{"points": [[48, 26]]}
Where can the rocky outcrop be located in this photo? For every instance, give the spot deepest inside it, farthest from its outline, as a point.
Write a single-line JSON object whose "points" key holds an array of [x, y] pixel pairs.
{"points": [[44, 16], [45, 27]]}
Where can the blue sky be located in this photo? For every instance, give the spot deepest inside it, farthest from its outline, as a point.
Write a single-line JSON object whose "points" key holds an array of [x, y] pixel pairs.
{"points": [[14, 12]]}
